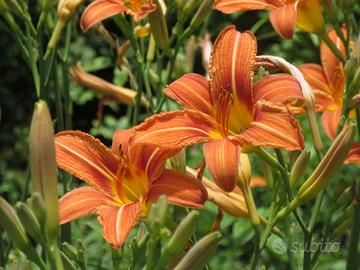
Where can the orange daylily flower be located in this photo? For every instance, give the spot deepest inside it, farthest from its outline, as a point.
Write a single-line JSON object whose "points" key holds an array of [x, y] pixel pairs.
{"points": [[100, 10], [284, 14], [123, 181], [327, 82], [228, 113]]}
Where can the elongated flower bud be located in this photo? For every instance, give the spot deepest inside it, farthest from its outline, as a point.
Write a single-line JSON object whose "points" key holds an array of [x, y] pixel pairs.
{"points": [[30, 222], [66, 9], [158, 26], [10, 222], [43, 165], [309, 16], [182, 234], [69, 251], [244, 172], [299, 167], [37, 205], [327, 167], [200, 253], [120, 94]]}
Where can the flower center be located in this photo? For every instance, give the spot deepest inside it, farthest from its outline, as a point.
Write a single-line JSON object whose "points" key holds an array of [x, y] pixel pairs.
{"points": [[134, 5]]}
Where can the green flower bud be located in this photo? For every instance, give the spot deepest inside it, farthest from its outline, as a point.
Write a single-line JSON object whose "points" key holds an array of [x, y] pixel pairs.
{"points": [[182, 234], [199, 255], [158, 26], [328, 166], [30, 222], [67, 263], [43, 165], [37, 205], [299, 167], [350, 67], [69, 251], [10, 222], [178, 162]]}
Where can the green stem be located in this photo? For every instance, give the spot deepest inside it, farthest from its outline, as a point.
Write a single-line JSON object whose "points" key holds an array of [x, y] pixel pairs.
{"points": [[332, 46], [353, 255], [256, 253]]}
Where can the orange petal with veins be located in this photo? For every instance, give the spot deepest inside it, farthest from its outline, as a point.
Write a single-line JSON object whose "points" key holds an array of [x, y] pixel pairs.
{"points": [[231, 6], [85, 157], [192, 91], [283, 19], [117, 222], [354, 155], [222, 160], [231, 68], [180, 189], [279, 89], [330, 121], [274, 127], [175, 129], [98, 11], [79, 202], [333, 68]]}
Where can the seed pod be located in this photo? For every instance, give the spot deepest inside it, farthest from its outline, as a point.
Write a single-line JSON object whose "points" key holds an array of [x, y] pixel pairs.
{"points": [[43, 165], [199, 255], [299, 167]]}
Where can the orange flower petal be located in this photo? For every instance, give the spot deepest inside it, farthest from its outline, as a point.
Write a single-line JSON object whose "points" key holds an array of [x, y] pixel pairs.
{"points": [[121, 140], [330, 121], [257, 181], [273, 126], [354, 155], [79, 202], [222, 160], [180, 189], [231, 6], [100, 10], [118, 222], [145, 9], [283, 19], [315, 76], [279, 89], [175, 129], [85, 157], [192, 91], [231, 68], [333, 68]]}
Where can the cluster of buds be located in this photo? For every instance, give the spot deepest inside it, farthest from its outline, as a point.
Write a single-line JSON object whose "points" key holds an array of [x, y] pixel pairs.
{"points": [[327, 167]]}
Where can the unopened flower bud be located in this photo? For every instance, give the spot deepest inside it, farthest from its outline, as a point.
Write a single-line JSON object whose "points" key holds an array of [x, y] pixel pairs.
{"points": [[43, 165], [30, 222], [355, 83], [10, 222], [66, 9], [67, 263], [182, 234], [3, 7], [37, 205], [69, 251], [328, 166], [199, 255], [118, 93], [158, 26], [356, 53], [244, 172], [342, 228], [351, 66], [345, 197], [299, 167], [178, 161], [142, 31], [190, 6]]}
